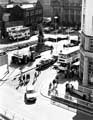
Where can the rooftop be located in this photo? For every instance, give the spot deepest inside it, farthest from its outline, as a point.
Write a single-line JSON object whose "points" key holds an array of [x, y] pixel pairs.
{"points": [[24, 6], [70, 50], [4, 2]]}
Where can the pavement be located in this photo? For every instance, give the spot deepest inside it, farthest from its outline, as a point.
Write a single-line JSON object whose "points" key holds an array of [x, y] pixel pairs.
{"points": [[60, 88], [4, 75], [62, 99]]}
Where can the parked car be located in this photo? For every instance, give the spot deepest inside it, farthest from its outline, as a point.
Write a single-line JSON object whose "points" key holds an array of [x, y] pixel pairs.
{"points": [[30, 95], [62, 38]]}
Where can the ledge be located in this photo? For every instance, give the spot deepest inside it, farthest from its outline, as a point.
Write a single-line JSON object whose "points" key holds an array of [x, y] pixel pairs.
{"points": [[72, 104]]}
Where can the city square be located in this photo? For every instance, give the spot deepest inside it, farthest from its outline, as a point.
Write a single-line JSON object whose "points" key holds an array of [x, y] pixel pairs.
{"points": [[46, 65]]}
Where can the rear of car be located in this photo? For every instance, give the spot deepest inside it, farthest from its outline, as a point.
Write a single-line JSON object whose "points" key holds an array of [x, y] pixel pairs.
{"points": [[30, 96]]}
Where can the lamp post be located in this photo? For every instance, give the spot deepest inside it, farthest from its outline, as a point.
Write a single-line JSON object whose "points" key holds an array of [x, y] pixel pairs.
{"points": [[55, 20]]}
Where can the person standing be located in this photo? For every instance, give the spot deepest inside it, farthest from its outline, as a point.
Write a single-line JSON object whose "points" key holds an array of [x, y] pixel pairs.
{"points": [[35, 78]]}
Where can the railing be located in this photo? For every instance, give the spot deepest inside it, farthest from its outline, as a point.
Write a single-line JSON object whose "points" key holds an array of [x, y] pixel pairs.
{"points": [[73, 102]]}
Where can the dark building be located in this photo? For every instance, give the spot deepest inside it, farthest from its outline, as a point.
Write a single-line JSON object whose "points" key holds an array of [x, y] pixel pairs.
{"points": [[47, 9], [21, 13], [33, 15], [1, 14], [68, 11]]}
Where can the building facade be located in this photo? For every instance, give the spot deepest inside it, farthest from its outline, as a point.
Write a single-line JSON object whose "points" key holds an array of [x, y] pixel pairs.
{"points": [[86, 51], [47, 9], [27, 14], [69, 11]]}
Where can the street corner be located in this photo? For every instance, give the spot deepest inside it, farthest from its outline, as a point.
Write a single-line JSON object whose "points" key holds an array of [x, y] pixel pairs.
{"points": [[50, 89], [44, 92]]}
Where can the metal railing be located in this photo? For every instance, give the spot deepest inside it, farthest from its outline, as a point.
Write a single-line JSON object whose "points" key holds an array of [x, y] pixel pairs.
{"points": [[75, 103]]}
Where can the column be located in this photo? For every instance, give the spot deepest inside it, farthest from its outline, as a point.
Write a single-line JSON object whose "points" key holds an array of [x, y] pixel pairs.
{"points": [[86, 43], [75, 16], [85, 72]]}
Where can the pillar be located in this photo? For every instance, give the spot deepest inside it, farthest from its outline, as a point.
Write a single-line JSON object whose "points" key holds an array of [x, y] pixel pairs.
{"points": [[85, 72], [86, 43]]}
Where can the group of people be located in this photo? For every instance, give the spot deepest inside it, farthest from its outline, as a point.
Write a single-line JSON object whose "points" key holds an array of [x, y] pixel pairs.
{"points": [[53, 87], [24, 80], [36, 74]]}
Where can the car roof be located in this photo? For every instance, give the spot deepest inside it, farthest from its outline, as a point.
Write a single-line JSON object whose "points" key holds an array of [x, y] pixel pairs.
{"points": [[30, 87]]}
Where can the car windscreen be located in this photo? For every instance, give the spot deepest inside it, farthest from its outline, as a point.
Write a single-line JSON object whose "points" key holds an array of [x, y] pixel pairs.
{"points": [[30, 91]]}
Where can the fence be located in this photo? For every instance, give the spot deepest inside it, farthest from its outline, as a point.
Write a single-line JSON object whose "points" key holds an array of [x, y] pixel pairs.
{"points": [[73, 103]]}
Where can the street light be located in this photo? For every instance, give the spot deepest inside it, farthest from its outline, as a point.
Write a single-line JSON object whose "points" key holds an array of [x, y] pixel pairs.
{"points": [[55, 20]]}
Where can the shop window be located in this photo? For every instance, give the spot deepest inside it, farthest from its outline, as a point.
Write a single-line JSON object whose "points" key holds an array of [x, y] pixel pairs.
{"points": [[31, 13], [27, 13]]}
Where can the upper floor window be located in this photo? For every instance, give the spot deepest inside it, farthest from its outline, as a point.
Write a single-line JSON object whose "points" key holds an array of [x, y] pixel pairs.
{"points": [[84, 3], [27, 13], [92, 24]]}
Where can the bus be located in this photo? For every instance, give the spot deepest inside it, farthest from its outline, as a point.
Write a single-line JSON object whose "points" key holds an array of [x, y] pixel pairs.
{"points": [[68, 57], [19, 33]]}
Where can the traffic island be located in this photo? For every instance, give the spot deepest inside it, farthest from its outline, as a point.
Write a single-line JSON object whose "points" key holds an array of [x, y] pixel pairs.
{"points": [[42, 47]]}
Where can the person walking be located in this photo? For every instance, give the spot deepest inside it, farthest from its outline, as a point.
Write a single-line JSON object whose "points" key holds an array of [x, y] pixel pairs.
{"points": [[35, 78], [54, 83], [38, 73], [51, 49], [49, 89]]}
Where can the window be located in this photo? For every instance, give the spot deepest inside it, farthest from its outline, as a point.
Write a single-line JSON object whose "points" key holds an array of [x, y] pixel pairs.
{"points": [[84, 3], [39, 11], [90, 70], [31, 13], [36, 12], [92, 24], [27, 13], [83, 20]]}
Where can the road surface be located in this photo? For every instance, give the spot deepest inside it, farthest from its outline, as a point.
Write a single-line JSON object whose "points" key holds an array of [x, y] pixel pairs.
{"points": [[12, 100]]}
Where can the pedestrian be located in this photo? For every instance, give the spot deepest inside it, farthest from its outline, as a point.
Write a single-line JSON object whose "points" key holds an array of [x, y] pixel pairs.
{"points": [[38, 73], [35, 78], [56, 92], [57, 78], [54, 82], [50, 89], [51, 49], [35, 75], [50, 86]]}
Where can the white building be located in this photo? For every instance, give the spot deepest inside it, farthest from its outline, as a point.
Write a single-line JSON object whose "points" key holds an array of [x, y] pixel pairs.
{"points": [[86, 51]]}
